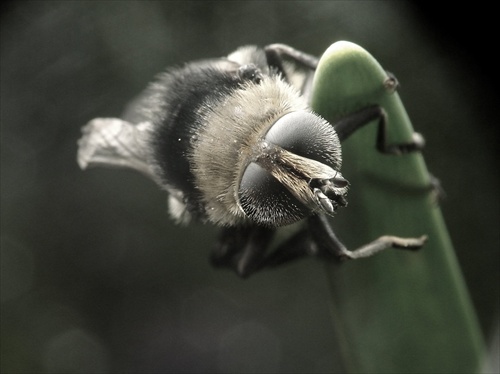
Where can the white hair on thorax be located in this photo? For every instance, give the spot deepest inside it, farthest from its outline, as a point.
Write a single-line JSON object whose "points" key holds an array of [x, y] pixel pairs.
{"points": [[223, 147]]}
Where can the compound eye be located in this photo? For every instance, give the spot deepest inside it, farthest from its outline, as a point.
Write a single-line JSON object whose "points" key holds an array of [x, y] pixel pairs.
{"points": [[266, 201], [307, 135]]}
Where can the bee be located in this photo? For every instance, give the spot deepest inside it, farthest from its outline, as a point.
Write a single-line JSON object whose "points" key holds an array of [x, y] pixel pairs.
{"points": [[234, 143]]}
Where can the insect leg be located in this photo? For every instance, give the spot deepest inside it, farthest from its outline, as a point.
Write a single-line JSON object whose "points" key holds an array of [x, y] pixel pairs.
{"points": [[242, 248], [312, 240], [294, 66], [329, 245], [318, 239], [348, 125], [276, 52]]}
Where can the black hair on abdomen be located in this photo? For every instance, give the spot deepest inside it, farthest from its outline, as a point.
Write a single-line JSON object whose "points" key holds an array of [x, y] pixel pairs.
{"points": [[184, 96]]}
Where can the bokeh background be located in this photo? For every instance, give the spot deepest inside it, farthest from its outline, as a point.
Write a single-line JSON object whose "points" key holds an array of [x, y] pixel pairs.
{"points": [[94, 276]]}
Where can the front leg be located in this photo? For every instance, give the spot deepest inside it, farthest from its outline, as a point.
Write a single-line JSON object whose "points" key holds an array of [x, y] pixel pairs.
{"points": [[350, 124], [318, 239], [353, 122], [328, 245]]}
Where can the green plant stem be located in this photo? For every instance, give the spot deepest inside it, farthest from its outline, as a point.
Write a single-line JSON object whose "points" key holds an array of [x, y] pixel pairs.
{"points": [[398, 311]]}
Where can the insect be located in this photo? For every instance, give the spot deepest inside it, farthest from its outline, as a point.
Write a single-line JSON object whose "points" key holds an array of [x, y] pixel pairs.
{"points": [[234, 143]]}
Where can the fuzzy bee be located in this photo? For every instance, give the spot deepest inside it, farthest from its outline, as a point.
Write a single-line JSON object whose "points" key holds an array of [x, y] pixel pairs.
{"points": [[234, 143]]}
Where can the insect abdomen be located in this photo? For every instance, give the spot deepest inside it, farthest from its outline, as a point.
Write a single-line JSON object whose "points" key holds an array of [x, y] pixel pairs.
{"points": [[185, 95]]}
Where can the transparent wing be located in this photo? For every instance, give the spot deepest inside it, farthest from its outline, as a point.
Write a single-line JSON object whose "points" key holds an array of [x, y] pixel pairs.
{"points": [[112, 142]]}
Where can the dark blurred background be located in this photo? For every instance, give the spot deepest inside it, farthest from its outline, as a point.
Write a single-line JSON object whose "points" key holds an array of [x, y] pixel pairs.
{"points": [[94, 275]]}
